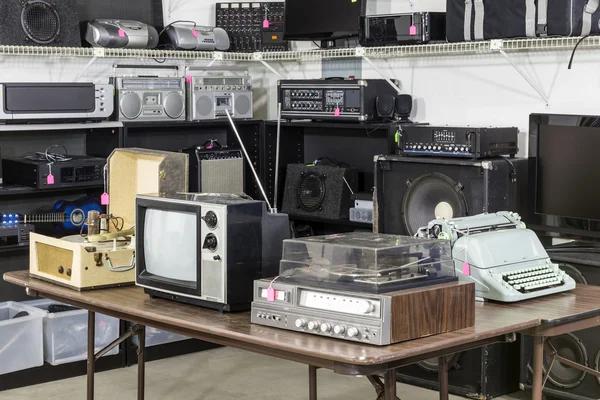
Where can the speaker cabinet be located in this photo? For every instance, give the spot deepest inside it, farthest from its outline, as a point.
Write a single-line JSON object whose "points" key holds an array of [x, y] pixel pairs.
{"points": [[319, 191], [583, 347], [412, 191], [218, 170], [39, 23], [482, 373]]}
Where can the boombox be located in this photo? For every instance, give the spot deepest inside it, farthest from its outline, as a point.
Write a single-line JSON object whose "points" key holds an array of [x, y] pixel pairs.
{"points": [[150, 98], [209, 97], [121, 34], [185, 37]]}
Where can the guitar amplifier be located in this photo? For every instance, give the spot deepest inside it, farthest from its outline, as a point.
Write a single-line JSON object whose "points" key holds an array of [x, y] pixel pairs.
{"points": [[215, 169]]}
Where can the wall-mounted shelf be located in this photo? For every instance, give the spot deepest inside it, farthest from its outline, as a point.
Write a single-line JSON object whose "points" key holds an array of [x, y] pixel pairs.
{"points": [[435, 49]]}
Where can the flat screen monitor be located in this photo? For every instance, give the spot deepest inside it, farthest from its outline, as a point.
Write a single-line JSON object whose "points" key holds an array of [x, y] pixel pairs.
{"points": [[563, 151], [322, 19]]}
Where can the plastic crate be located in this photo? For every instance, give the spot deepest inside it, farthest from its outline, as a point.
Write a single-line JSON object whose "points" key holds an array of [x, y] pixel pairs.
{"points": [[21, 344], [155, 337], [65, 333]]}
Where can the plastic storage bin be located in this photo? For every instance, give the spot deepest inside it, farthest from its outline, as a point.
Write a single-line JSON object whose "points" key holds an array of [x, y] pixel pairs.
{"points": [[20, 337], [155, 337], [65, 333]]}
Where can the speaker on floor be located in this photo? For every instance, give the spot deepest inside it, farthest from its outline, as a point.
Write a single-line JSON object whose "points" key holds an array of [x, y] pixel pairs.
{"points": [[39, 23], [319, 191], [583, 347], [412, 191], [483, 373]]}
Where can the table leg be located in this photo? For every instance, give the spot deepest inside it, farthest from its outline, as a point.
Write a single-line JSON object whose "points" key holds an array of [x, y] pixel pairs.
{"points": [[91, 349], [443, 377], [390, 385], [312, 382], [141, 361], [538, 370]]}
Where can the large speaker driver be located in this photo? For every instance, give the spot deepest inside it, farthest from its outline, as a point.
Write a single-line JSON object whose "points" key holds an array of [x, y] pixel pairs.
{"points": [[204, 106], [174, 105], [431, 196], [572, 348], [40, 21], [311, 191], [243, 106], [432, 365], [131, 105]]}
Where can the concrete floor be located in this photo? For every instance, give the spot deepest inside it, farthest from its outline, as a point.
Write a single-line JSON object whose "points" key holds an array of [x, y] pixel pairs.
{"points": [[220, 374]]}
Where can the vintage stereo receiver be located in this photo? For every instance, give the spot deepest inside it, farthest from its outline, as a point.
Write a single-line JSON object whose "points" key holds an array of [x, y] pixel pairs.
{"points": [[25, 102], [209, 97], [365, 287], [469, 142], [141, 98], [35, 171], [108, 259], [400, 29], [121, 34], [221, 244], [215, 169], [331, 99]]}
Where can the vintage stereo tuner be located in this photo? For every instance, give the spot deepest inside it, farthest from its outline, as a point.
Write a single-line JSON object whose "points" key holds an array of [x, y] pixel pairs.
{"points": [[150, 99], [209, 96]]}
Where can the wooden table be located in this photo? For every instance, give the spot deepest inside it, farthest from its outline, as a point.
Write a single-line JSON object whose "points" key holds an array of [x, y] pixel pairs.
{"points": [[494, 323]]}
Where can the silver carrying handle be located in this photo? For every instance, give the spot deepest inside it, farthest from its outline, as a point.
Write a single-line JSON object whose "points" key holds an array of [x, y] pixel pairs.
{"points": [[122, 268]]}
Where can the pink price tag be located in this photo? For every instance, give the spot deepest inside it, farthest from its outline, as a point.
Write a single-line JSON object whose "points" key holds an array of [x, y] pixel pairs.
{"points": [[195, 33], [188, 79], [50, 179], [336, 113], [270, 294], [121, 33], [413, 30], [466, 269], [266, 23], [104, 199]]}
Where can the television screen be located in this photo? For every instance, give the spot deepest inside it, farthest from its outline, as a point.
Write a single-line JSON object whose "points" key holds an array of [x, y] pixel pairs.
{"points": [[322, 19], [170, 245], [567, 169]]}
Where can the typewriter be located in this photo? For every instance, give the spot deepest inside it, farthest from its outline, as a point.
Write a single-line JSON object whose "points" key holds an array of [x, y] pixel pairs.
{"points": [[506, 261]]}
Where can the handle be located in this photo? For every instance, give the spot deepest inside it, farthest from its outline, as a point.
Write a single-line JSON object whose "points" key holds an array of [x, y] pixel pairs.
{"points": [[121, 268], [108, 236], [124, 66]]}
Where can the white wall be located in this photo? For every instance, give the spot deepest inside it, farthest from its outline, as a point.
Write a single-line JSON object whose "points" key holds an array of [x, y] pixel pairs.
{"points": [[473, 90]]}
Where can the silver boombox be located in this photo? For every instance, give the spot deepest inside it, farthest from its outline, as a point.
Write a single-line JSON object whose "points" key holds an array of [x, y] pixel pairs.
{"points": [[208, 97], [150, 98]]}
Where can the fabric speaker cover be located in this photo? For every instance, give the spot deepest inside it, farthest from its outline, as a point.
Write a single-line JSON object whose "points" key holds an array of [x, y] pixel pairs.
{"points": [[319, 191], [39, 23]]}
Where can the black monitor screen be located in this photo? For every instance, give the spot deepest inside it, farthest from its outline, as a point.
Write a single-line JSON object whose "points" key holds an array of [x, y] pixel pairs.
{"points": [[322, 19], [568, 172]]}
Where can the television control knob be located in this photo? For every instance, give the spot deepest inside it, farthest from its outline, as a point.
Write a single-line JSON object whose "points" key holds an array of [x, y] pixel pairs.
{"points": [[325, 328], [300, 323], [313, 325], [339, 329], [210, 219], [352, 332], [210, 242]]}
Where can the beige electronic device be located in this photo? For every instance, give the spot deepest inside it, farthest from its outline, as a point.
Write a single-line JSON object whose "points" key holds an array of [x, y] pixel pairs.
{"points": [[109, 259]]}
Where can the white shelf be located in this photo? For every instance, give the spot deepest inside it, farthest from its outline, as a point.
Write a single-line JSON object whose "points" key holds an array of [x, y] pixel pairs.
{"points": [[60, 126], [436, 49]]}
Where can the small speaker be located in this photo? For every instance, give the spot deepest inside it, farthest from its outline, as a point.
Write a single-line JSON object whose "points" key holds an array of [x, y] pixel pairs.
{"points": [[385, 106], [243, 105], [319, 191], [404, 103], [39, 23], [215, 169]]}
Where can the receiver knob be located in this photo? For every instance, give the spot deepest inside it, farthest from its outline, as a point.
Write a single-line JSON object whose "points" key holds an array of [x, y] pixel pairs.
{"points": [[325, 328], [210, 242], [300, 323], [313, 325], [339, 329], [352, 332], [211, 219], [365, 307]]}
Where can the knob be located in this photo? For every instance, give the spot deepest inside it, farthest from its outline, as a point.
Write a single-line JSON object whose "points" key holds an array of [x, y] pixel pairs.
{"points": [[352, 332], [325, 328], [300, 323], [313, 325], [339, 329], [210, 242], [456, 149], [365, 307], [211, 219], [462, 149]]}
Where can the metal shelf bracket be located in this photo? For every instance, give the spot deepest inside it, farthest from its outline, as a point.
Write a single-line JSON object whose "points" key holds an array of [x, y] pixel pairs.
{"points": [[498, 46], [217, 56], [259, 57], [380, 72], [89, 64]]}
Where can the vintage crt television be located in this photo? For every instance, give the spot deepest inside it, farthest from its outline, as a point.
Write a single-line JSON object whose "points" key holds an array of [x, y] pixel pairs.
{"points": [[206, 250]]}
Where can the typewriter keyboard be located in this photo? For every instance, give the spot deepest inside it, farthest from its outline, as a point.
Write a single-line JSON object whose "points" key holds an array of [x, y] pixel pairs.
{"points": [[533, 278]]}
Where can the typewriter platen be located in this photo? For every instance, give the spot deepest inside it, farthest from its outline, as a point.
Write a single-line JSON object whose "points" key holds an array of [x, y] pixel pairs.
{"points": [[505, 260]]}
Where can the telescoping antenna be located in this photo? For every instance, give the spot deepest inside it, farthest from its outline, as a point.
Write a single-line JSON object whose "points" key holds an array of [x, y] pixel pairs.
{"points": [[256, 178]]}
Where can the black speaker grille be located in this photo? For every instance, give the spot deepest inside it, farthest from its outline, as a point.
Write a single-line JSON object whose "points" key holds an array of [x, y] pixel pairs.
{"points": [[429, 195], [311, 191], [432, 365], [570, 347], [40, 21]]}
